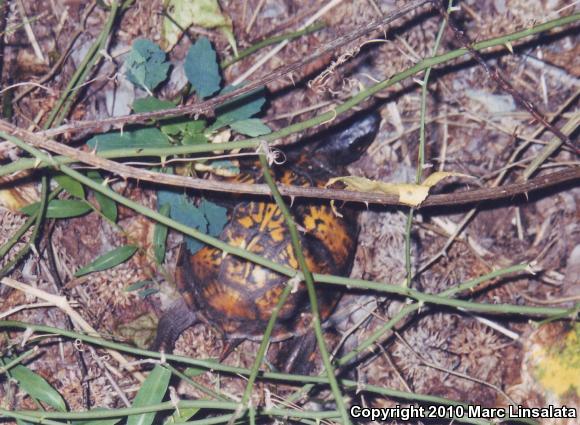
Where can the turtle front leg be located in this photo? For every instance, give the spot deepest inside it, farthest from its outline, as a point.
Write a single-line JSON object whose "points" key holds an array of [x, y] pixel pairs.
{"points": [[301, 358], [178, 318], [229, 346]]}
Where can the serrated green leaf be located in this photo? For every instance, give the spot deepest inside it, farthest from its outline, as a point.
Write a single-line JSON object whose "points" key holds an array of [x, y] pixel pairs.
{"points": [[172, 126], [240, 108], [146, 64], [208, 218], [185, 212], [108, 260], [138, 285], [160, 236], [60, 208], [134, 139], [252, 127], [107, 206], [182, 14], [194, 139], [175, 127], [151, 392], [196, 126], [150, 104], [217, 216], [192, 132], [70, 185], [202, 69], [37, 387]]}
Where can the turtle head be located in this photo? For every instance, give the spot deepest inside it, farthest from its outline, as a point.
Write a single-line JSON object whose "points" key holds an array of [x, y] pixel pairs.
{"points": [[347, 142]]}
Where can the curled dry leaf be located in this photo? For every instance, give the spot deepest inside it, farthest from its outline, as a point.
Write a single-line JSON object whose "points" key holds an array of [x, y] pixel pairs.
{"points": [[16, 192], [408, 193]]}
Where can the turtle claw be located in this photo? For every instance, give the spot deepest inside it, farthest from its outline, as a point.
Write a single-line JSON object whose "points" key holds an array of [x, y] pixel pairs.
{"points": [[302, 357], [229, 346], [178, 318]]}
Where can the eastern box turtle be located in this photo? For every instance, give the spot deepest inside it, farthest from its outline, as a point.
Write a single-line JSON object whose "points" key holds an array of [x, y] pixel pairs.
{"points": [[237, 296]]}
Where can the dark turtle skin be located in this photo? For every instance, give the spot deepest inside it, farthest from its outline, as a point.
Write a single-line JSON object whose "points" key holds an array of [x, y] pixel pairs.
{"points": [[237, 296]]}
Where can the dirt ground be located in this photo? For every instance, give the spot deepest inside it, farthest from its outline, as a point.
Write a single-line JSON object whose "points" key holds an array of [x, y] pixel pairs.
{"points": [[473, 127]]}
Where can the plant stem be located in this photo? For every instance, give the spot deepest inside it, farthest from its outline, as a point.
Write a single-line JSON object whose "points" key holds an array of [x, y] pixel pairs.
{"points": [[35, 219], [282, 269], [349, 384], [421, 154], [264, 346], [92, 57], [272, 40], [309, 279], [298, 127]]}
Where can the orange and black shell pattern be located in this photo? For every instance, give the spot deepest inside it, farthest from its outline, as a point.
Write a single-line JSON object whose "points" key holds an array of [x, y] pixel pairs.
{"points": [[238, 296]]}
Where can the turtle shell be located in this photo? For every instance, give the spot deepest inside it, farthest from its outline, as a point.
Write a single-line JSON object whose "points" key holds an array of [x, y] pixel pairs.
{"points": [[238, 296]]}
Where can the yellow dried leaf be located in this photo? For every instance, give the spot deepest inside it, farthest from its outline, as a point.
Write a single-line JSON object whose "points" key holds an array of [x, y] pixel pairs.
{"points": [[437, 176], [557, 365], [14, 194], [408, 193], [184, 13]]}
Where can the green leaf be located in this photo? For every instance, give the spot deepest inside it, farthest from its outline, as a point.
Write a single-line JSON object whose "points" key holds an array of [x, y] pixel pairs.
{"points": [[208, 218], [193, 133], [202, 69], [172, 126], [146, 292], [37, 387], [150, 104], [111, 421], [139, 331], [70, 185], [60, 208], [138, 285], [182, 14], [182, 415], [146, 65], [193, 371], [183, 211], [194, 139], [239, 108], [134, 139], [151, 392], [224, 164], [196, 126], [108, 260], [187, 129], [252, 127], [107, 206], [216, 216], [160, 236]]}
